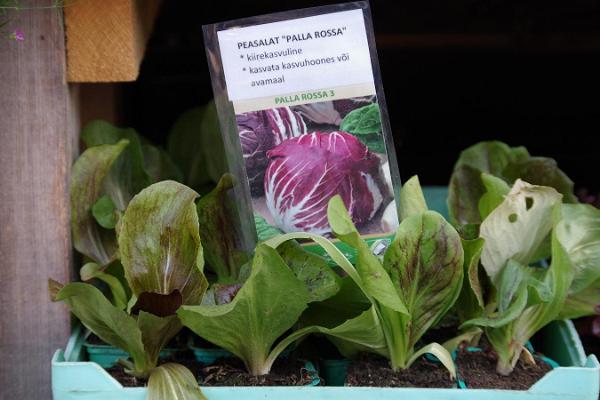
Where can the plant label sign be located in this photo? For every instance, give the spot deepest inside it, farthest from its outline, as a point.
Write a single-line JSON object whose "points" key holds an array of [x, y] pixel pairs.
{"points": [[303, 113]]}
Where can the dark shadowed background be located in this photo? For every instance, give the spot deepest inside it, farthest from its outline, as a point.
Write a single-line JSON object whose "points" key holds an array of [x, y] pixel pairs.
{"points": [[454, 73]]}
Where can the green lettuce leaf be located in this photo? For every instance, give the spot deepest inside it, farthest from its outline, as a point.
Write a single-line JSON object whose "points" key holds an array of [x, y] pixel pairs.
{"points": [[470, 303], [557, 278], [87, 186], [156, 333], [268, 304], [175, 382], [374, 277], [108, 322], [346, 304], [518, 227], [412, 201], [495, 191], [365, 124], [196, 146], [321, 281], [579, 233], [158, 164], [92, 270], [160, 244], [105, 212], [583, 303], [362, 121]]}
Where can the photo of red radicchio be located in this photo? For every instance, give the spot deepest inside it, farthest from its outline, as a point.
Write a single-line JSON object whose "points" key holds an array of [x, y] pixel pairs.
{"points": [[304, 173], [260, 131]]}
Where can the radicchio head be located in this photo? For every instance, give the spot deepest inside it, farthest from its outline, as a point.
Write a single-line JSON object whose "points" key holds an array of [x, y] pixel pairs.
{"points": [[259, 132], [305, 172]]}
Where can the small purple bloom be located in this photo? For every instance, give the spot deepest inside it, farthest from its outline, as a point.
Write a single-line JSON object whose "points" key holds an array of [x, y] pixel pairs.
{"points": [[17, 35]]}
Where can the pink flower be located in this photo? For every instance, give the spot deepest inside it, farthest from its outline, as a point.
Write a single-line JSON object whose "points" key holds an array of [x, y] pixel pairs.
{"points": [[17, 35]]}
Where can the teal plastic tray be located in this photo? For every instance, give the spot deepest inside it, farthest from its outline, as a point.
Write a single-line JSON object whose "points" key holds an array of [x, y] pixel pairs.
{"points": [[576, 379]]}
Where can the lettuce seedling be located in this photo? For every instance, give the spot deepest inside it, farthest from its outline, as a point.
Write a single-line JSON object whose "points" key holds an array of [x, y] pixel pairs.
{"points": [[524, 298], [504, 162], [410, 291], [161, 253], [115, 166], [267, 305]]}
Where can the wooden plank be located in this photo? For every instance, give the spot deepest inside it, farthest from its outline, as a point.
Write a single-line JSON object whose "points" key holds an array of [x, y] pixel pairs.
{"points": [[106, 39], [38, 127]]}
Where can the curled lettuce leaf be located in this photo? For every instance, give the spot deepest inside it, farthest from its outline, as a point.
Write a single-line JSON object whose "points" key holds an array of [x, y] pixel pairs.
{"points": [[518, 226], [579, 233], [89, 174], [506, 163], [160, 244]]}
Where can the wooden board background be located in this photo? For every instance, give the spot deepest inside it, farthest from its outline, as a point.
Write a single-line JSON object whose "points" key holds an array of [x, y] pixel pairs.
{"points": [[38, 130]]}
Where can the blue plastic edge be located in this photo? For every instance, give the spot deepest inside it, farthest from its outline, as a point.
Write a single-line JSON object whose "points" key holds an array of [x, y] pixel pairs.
{"points": [[73, 379]]}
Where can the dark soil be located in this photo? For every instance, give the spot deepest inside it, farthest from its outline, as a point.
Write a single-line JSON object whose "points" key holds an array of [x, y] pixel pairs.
{"points": [[478, 370], [373, 370], [231, 372], [124, 379]]}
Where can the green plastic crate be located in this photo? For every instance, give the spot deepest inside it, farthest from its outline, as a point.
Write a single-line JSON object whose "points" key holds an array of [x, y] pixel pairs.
{"points": [[577, 379]]}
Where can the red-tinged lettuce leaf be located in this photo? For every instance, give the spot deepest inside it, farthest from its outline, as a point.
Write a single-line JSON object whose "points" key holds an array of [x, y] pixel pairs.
{"points": [[466, 187], [159, 242], [542, 171], [425, 263], [127, 176], [506, 163], [220, 240], [374, 278], [160, 305], [268, 304], [173, 382], [88, 177]]}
